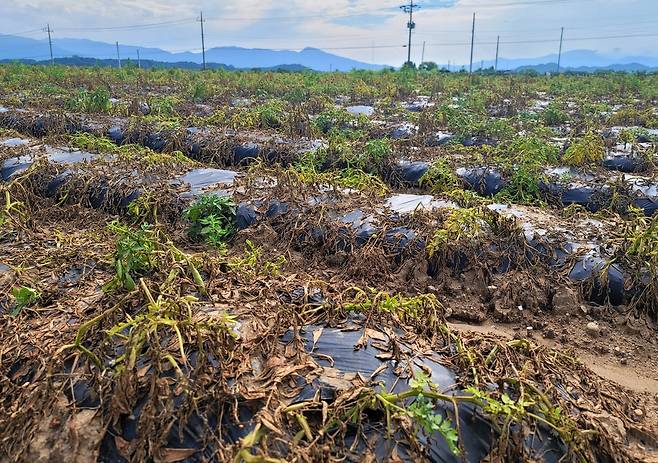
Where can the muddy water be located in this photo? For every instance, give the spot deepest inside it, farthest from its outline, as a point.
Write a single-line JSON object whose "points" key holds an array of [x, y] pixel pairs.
{"points": [[635, 378]]}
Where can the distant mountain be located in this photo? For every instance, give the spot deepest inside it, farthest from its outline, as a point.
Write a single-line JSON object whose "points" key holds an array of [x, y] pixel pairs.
{"points": [[16, 48], [575, 60], [148, 63], [551, 67]]}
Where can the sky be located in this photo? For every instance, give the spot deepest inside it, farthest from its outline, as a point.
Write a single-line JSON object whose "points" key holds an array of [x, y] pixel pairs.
{"points": [[367, 30]]}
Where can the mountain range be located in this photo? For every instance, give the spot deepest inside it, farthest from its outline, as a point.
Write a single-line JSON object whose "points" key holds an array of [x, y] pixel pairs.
{"points": [[19, 48], [22, 48]]}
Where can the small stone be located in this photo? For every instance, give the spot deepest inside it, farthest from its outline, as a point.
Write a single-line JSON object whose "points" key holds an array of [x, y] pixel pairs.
{"points": [[549, 333], [624, 361], [638, 413], [593, 329]]}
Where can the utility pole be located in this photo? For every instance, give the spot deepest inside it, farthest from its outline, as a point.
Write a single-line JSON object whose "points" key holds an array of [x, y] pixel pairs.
{"points": [[470, 69], [559, 55], [497, 48], [203, 42], [50, 44], [422, 55], [118, 57], [411, 25], [139, 61]]}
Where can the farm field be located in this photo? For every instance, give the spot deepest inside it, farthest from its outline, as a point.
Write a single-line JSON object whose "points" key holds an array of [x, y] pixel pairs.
{"points": [[364, 266]]}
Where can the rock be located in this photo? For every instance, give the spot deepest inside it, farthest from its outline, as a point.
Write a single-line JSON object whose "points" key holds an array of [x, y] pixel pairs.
{"points": [[549, 333], [565, 300], [593, 329]]}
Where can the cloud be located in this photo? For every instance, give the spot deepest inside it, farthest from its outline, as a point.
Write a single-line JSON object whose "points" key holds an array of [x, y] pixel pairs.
{"points": [[350, 27]]}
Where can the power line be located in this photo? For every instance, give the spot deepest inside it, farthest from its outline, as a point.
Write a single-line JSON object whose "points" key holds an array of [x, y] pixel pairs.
{"points": [[31, 31], [131, 27]]}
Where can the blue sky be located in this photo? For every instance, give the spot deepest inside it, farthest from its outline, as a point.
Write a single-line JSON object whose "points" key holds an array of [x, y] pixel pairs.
{"points": [[369, 30]]}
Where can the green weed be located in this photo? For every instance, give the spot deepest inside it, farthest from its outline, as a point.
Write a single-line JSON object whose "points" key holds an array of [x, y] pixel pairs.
{"points": [[212, 219], [95, 101], [24, 296], [134, 255]]}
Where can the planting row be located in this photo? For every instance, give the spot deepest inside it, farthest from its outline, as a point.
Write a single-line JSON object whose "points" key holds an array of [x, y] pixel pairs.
{"points": [[344, 222]]}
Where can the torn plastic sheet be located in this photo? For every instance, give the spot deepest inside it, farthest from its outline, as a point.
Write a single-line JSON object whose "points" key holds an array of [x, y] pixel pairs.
{"points": [[203, 179], [335, 351]]}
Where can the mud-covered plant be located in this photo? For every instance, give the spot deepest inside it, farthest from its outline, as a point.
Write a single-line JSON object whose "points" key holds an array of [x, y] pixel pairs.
{"points": [[88, 141], [421, 310], [357, 179], [252, 264], [461, 228], [640, 250], [440, 177], [24, 296], [212, 219], [134, 255], [589, 149], [165, 318], [11, 210], [525, 158]]}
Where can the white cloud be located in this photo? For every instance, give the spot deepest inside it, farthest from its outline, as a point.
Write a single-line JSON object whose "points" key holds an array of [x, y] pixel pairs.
{"points": [[259, 23]]}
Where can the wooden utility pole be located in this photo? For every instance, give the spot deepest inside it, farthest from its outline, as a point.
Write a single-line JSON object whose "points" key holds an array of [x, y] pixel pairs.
{"points": [[203, 42], [497, 48], [118, 56], [559, 55], [422, 55], [50, 44], [139, 61], [470, 68]]}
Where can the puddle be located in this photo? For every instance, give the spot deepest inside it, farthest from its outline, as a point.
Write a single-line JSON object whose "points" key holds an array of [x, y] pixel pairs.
{"points": [[64, 156]]}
